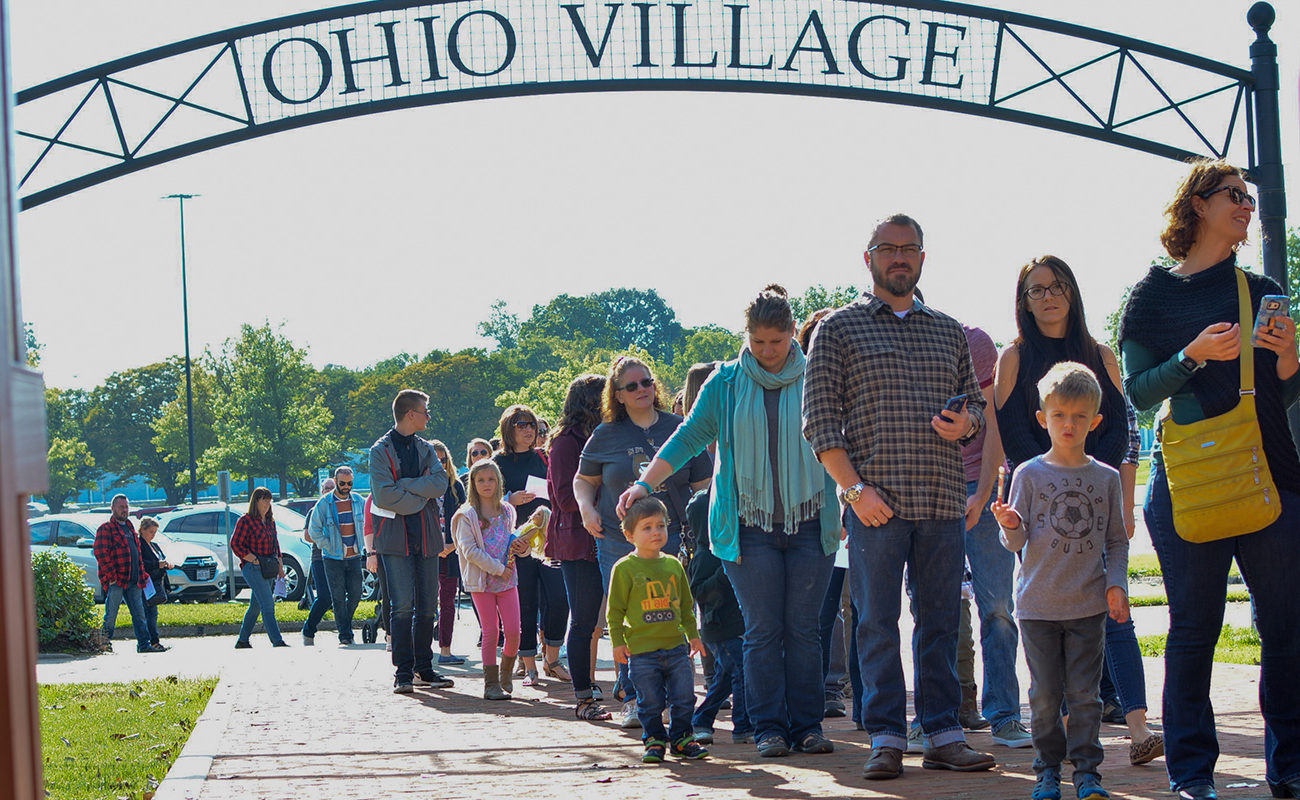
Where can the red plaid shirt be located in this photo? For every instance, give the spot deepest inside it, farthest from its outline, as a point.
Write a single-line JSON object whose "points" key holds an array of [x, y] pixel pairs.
{"points": [[254, 536], [113, 543]]}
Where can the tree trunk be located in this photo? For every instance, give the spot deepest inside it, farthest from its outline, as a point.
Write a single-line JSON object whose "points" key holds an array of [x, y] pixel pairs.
{"points": [[284, 485]]}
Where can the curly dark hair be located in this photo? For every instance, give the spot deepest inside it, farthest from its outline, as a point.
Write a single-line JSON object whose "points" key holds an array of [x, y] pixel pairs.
{"points": [[1180, 215], [611, 409], [581, 410]]}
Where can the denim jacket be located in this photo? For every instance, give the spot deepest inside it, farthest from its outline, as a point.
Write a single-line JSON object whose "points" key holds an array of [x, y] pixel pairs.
{"points": [[323, 527]]}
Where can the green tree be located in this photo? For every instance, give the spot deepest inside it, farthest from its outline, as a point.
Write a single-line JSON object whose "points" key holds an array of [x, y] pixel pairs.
{"points": [[612, 319], [119, 421], [544, 392], [171, 429], [268, 419], [1293, 269], [706, 343], [65, 409], [72, 469], [501, 326], [818, 297], [334, 384], [34, 347]]}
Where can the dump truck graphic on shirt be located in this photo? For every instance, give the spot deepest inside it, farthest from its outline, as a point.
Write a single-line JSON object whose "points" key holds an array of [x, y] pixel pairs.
{"points": [[657, 605]]}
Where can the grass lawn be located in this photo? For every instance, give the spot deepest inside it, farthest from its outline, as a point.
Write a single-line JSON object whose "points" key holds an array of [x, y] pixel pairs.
{"points": [[1146, 565], [1234, 596], [1236, 646], [221, 613], [1144, 471], [111, 740]]}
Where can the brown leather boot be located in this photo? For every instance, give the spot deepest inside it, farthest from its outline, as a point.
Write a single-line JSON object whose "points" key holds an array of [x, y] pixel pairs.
{"points": [[492, 684], [969, 713]]}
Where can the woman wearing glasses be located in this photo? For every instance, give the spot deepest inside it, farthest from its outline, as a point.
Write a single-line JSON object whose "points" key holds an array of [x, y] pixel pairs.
{"points": [[774, 521], [636, 424], [1180, 340], [1052, 328], [541, 586]]}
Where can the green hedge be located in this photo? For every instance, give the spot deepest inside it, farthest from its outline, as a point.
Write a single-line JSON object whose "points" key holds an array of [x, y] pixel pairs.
{"points": [[65, 605]]}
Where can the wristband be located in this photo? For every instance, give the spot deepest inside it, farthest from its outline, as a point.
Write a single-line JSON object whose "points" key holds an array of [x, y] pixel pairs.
{"points": [[643, 485]]}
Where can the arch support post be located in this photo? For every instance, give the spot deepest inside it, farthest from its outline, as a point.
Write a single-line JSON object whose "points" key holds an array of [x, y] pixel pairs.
{"points": [[1268, 134]]}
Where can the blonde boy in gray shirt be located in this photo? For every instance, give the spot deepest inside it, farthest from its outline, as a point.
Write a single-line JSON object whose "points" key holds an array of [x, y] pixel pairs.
{"points": [[1064, 518]]}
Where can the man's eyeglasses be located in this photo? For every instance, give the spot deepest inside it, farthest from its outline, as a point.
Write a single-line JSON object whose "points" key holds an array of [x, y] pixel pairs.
{"points": [[477, 453], [1056, 289], [644, 383], [1236, 195], [523, 423], [344, 484], [891, 250], [423, 411]]}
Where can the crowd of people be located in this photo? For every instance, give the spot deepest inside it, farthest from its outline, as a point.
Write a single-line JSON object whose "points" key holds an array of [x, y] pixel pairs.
{"points": [[885, 447]]}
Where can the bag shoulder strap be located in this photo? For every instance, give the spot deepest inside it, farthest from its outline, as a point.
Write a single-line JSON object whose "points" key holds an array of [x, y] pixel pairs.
{"points": [[1247, 354]]}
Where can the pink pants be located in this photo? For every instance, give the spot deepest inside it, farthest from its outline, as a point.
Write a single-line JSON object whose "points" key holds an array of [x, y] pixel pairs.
{"points": [[492, 606]]}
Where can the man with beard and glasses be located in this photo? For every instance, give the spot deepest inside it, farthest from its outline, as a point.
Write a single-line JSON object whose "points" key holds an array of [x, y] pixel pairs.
{"points": [[333, 530], [889, 399], [121, 574]]}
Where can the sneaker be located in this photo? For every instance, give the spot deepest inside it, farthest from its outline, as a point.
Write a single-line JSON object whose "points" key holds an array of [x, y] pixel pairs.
{"points": [[1012, 734], [450, 659], [834, 704], [243, 645], [957, 756], [654, 751], [433, 680], [402, 687], [885, 763], [281, 643], [688, 748], [704, 736], [916, 740], [346, 642], [1088, 787], [157, 647], [742, 738], [308, 641], [629, 719], [772, 746], [814, 743], [1112, 714], [1048, 786]]}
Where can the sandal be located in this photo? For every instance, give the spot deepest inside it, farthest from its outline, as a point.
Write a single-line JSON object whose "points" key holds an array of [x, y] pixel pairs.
{"points": [[591, 711], [1147, 750], [555, 669], [531, 678]]}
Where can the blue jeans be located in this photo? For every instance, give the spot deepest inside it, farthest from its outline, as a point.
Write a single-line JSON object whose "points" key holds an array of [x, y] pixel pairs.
{"points": [[411, 583], [608, 552], [584, 590], [541, 599], [664, 679], [781, 582], [1124, 666], [343, 581], [151, 622], [1065, 658], [323, 601], [728, 681], [1195, 576], [133, 596], [260, 603], [992, 569], [933, 553], [830, 610]]}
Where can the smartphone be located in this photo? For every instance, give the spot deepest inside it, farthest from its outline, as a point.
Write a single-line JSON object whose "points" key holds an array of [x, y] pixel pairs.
{"points": [[1270, 306], [955, 404]]}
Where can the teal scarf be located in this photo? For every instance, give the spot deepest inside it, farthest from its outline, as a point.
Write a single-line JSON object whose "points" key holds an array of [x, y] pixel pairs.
{"points": [[802, 479]]}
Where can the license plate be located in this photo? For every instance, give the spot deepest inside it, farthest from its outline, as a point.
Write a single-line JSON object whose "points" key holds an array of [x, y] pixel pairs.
{"points": [[203, 575]]}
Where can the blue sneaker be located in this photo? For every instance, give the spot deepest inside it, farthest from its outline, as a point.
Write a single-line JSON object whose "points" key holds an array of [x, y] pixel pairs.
{"points": [[1048, 785], [450, 659], [1088, 787]]}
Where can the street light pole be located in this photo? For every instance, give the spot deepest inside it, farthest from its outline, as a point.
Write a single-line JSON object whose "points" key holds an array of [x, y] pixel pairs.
{"points": [[185, 314]]}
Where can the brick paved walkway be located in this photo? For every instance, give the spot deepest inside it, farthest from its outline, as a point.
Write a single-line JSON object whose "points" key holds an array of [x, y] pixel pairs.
{"points": [[322, 723]]}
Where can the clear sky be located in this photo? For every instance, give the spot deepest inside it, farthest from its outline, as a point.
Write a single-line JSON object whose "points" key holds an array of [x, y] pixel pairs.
{"points": [[705, 197]]}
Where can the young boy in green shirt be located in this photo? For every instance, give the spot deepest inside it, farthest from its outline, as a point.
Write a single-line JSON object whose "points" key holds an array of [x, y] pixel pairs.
{"points": [[651, 618]]}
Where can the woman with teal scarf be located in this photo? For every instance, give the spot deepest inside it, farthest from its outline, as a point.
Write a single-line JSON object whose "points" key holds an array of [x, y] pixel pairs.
{"points": [[773, 520]]}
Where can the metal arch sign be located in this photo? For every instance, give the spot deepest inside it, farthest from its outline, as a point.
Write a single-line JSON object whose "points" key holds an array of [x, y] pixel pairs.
{"points": [[126, 115]]}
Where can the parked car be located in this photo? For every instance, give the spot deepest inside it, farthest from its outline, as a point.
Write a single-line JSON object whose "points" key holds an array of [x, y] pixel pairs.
{"points": [[36, 509], [202, 525], [196, 574]]}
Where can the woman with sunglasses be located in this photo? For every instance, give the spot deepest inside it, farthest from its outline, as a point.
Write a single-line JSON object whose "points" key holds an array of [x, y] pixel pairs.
{"points": [[449, 564], [569, 542], [541, 586], [636, 424], [1052, 328], [774, 521], [1180, 340]]}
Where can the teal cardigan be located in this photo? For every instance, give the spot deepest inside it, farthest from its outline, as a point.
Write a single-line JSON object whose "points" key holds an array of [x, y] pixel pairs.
{"points": [[712, 417]]}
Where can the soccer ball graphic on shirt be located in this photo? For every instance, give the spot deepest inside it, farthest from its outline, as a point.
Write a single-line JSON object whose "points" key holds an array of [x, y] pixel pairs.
{"points": [[1071, 515]]}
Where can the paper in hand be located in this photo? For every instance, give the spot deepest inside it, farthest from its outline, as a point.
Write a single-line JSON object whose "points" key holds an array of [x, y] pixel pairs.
{"points": [[537, 486]]}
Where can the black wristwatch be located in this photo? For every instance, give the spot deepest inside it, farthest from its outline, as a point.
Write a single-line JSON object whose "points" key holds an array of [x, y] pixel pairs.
{"points": [[1189, 362]]}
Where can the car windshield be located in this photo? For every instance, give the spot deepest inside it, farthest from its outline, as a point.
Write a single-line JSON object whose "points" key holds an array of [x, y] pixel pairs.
{"points": [[161, 539], [288, 519]]}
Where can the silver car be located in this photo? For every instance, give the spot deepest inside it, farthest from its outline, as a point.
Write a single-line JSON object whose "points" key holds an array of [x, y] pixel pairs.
{"points": [[196, 574]]}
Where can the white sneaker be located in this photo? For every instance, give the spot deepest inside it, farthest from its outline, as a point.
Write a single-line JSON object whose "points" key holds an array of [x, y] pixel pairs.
{"points": [[630, 719], [308, 641]]}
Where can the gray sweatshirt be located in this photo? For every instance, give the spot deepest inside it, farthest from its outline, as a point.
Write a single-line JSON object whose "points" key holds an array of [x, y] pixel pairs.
{"points": [[1071, 538]]}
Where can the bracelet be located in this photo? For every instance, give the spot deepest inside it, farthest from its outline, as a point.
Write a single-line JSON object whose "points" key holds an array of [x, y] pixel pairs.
{"points": [[643, 485]]}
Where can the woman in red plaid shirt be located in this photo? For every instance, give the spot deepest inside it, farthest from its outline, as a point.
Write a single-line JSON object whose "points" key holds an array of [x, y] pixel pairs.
{"points": [[255, 536]]}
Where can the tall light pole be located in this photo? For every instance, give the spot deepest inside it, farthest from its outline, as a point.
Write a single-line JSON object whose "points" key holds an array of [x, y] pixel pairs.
{"points": [[185, 314]]}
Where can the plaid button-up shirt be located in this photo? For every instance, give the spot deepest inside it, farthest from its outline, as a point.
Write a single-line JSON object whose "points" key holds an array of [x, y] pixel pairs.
{"points": [[114, 543], [873, 383], [254, 536]]}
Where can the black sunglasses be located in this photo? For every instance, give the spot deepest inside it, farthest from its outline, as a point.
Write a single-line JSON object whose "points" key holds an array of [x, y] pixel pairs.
{"points": [[480, 452], [523, 423], [342, 484], [1237, 196], [645, 383]]}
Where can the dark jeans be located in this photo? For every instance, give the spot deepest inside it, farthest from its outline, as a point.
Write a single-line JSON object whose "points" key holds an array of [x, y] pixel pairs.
{"points": [[323, 601], [1195, 577], [343, 577], [151, 622], [584, 590], [780, 582], [133, 596], [664, 679], [1064, 658], [447, 585], [728, 681], [608, 551], [412, 593], [826, 622], [1124, 666], [541, 593], [261, 602]]}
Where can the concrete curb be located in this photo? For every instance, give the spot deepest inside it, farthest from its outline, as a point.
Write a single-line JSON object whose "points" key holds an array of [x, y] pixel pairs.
{"points": [[184, 781]]}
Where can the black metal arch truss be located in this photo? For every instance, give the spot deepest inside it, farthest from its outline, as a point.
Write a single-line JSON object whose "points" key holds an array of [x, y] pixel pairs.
{"points": [[1129, 66]]}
